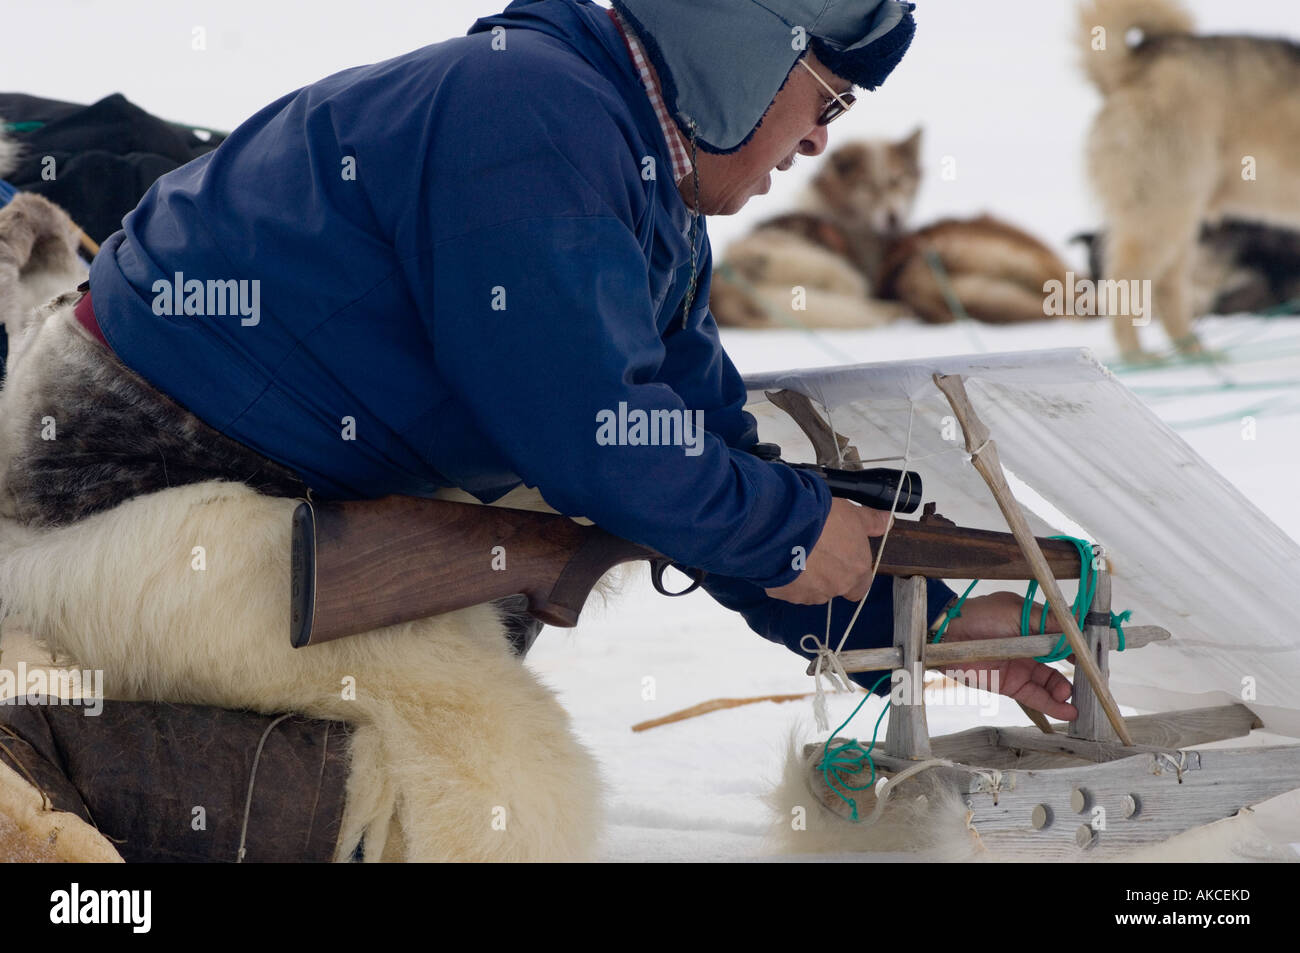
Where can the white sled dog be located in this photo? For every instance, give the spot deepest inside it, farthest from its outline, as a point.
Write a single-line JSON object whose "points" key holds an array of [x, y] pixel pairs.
{"points": [[1193, 128], [459, 753]]}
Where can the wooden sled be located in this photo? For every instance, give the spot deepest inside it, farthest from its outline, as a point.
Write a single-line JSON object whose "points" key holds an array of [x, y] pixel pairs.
{"points": [[1077, 790], [1102, 785]]}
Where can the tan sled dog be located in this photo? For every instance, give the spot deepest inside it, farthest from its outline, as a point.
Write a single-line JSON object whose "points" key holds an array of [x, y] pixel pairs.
{"points": [[997, 272], [1192, 129], [818, 266]]}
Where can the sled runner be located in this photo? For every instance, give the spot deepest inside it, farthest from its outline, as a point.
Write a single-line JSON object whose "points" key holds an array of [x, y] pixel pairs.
{"points": [[1102, 785]]}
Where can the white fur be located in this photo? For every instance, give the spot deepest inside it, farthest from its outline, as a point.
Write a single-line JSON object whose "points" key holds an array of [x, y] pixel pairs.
{"points": [[922, 822], [836, 295], [454, 732], [38, 260]]}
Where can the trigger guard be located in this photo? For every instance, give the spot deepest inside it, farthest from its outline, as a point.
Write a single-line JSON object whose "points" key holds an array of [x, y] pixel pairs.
{"points": [[657, 568]]}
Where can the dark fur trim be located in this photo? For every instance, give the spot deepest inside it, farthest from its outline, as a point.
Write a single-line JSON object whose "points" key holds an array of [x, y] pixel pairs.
{"points": [[118, 437], [869, 67]]}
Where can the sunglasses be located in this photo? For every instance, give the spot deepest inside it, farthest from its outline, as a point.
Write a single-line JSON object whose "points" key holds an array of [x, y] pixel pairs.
{"points": [[840, 102]]}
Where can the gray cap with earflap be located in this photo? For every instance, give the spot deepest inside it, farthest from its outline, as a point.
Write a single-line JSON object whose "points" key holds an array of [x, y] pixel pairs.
{"points": [[722, 62]]}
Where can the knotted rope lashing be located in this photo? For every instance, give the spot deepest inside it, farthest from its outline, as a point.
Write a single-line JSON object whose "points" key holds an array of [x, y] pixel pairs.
{"points": [[1082, 603], [827, 664]]}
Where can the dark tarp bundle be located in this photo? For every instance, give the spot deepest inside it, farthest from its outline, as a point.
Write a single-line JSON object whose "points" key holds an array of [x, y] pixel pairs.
{"points": [[169, 761], [106, 155]]}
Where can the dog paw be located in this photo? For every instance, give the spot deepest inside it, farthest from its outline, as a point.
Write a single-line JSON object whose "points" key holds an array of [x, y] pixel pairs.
{"points": [[1141, 358], [1192, 349]]}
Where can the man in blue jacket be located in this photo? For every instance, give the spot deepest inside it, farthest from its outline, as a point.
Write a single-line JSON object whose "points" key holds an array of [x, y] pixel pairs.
{"points": [[451, 268]]}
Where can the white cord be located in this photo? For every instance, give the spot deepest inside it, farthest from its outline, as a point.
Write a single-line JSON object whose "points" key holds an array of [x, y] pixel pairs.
{"points": [[880, 553], [886, 786], [828, 663]]}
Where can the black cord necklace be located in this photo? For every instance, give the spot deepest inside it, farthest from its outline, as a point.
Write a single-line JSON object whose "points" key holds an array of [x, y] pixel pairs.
{"points": [[695, 221]]}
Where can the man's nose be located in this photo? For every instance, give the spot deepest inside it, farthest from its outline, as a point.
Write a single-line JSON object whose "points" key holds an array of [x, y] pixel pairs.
{"points": [[815, 143]]}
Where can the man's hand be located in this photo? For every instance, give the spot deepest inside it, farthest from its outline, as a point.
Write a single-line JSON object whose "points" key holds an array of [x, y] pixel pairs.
{"points": [[997, 616], [840, 563]]}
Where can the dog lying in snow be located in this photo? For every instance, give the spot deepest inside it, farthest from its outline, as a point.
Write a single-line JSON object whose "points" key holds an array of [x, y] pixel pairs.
{"points": [[833, 247], [850, 251], [459, 752]]}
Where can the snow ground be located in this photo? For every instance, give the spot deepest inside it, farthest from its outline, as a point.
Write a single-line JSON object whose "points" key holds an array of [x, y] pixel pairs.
{"points": [[996, 89]]}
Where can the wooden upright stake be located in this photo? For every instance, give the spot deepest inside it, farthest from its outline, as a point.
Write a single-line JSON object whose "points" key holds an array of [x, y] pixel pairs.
{"points": [[1091, 722], [908, 735], [984, 455]]}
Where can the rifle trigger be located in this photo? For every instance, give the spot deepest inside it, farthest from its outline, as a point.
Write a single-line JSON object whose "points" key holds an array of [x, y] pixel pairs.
{"points": [[657, 567]]}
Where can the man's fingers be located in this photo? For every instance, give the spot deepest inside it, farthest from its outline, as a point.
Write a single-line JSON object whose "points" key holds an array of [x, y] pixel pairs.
{"points": [[796, 595], [1046, 689], [879, 521], [857, 594], [1036, 697]]}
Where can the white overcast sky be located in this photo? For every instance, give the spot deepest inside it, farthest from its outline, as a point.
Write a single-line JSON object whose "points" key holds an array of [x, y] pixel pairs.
{"points": [[994, 84]]}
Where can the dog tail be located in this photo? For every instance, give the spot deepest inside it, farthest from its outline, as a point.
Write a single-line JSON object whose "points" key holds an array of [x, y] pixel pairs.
{"points": [[1104, 28]]}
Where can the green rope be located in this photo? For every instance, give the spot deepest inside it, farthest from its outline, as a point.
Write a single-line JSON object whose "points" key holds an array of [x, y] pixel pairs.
{"points": [[1155, 392], [22, 126], [952, 613], [958, 310], [1079, 609], [1237, 350], [849, 757], [1279, 406]]}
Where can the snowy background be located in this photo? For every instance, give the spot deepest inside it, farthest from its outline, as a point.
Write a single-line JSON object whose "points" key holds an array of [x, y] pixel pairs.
{"points": [[995, 87]]}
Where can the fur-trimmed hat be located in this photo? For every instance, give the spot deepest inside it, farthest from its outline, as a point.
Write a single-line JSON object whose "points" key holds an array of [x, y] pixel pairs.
{"points": [[722, 62]]}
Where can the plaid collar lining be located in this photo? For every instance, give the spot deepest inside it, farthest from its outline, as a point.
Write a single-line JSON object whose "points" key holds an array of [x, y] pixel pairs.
{"points": [[676, 145]]}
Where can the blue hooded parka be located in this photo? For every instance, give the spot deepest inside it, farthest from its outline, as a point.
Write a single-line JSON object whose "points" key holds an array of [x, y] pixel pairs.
{"points": [[466, 260]]}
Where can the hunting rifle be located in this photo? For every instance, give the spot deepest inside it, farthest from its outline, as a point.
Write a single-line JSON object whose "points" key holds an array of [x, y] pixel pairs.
{"points": [[358, 566]]}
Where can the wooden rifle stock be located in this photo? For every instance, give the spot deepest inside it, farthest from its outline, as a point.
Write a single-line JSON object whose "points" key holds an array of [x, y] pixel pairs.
{"points": [[367, 564], [364, 565]]}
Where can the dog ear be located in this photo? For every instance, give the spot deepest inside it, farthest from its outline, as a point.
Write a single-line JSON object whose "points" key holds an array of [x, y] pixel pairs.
{"points": [[913, 142]]}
